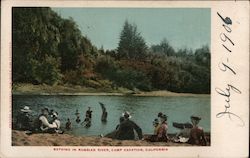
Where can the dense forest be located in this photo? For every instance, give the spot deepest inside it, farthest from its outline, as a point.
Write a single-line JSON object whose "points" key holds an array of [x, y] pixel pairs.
{"points": [[48, 49]]}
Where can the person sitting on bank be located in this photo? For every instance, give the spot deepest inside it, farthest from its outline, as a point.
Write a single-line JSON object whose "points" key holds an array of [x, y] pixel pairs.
{"points": [[153, 138], [56, 124], [24, 120], [68, 125], [113, 134], [156, 125], [127, 127], [159, 115], [44, 124], [121, 119], [162, 131], [197, 135]]}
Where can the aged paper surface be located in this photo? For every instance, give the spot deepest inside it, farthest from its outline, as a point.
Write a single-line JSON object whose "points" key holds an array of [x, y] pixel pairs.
{"points": [[229, 100]]}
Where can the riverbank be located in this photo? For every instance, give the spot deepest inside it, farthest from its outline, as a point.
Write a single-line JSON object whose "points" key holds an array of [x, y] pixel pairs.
{"points": [[30, 89], [19, 138]]}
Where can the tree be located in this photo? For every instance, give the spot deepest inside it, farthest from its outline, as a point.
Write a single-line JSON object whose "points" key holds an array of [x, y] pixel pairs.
{"points": [[202, 56], [164, 48], [35, 36], [131, 45]]}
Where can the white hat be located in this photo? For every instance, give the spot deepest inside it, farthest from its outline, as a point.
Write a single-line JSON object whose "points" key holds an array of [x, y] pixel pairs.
{"points": [[126, 114], [26, 109]]}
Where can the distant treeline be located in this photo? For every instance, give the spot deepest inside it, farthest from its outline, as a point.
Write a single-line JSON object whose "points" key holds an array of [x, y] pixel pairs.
{"points": [[48, 49]]}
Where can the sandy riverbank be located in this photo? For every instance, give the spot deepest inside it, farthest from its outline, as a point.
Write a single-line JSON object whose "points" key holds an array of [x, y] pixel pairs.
{"points": [[19, 138], [29, 89]]}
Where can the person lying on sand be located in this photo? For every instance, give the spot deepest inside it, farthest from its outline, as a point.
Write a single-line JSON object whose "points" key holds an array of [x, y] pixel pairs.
{"points": [[197, 135], [127, 127]]}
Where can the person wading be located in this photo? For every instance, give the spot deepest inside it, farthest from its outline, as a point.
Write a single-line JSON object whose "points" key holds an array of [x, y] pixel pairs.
{"points": [[104, 112]]}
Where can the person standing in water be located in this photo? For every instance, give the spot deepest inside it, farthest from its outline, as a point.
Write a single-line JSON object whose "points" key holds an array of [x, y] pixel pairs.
{"points": [[77, 113], [104, 113], [68, 124], [89, 113], [86, 122]]}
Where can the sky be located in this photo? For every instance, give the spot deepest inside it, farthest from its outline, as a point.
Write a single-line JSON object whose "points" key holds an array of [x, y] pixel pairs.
{"points": [[182, 27]]}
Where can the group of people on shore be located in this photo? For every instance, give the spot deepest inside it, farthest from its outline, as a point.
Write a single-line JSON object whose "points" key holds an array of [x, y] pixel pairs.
{"points": [[189, 132], [48, 122]]}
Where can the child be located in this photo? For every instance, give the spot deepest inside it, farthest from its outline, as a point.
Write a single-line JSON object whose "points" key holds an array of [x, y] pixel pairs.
{"points": [[68, 124]]}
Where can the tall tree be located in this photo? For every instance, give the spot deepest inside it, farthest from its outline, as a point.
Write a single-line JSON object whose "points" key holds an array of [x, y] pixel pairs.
{"points": [[131, 45]]}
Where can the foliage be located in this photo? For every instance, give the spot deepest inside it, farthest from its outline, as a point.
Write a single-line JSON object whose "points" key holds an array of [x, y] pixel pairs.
{"points": [[131, 44], [48, 49]]}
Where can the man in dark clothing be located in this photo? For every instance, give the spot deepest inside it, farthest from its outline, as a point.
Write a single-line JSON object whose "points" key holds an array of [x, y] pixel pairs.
{"points": [[24, 119], [126, 129]]}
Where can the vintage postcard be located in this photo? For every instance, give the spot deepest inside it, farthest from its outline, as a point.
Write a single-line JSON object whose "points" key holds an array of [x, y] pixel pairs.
{"points": [[124, 78]]}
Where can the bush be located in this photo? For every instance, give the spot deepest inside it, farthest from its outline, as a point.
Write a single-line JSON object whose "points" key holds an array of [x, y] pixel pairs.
{"points": [[46, 71]]}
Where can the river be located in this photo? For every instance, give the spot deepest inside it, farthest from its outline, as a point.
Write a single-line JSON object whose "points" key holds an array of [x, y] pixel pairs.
{"points": [[143, 110]]}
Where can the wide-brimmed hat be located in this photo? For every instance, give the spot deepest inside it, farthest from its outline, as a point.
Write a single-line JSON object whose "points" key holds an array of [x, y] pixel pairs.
{"points": [[126, 114], [195, 117], [26, 109]]}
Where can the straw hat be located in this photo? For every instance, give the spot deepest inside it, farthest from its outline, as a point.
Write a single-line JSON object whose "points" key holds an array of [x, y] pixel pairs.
{"points": [[26, 109]]}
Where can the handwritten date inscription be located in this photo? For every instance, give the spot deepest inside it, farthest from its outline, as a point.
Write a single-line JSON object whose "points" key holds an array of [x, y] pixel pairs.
{"points": [[226, 67]]}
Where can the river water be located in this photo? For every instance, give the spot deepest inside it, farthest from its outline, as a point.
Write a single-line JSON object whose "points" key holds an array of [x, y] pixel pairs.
{"points": [[143, 110]]}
